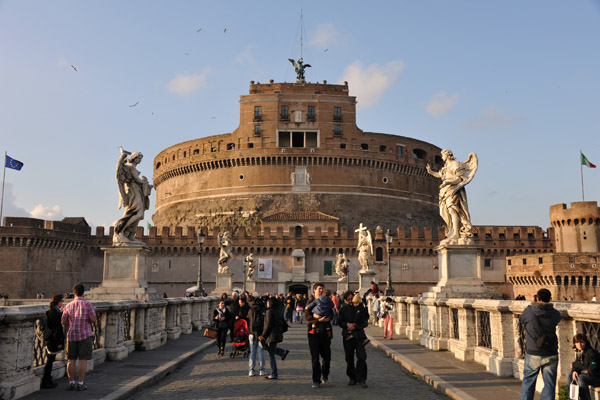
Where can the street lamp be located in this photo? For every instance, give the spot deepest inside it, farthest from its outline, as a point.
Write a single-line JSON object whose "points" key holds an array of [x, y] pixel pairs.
{"points": [[199, 288], [389, 291]]}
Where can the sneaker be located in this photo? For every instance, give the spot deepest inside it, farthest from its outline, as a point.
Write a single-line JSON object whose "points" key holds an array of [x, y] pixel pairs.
{"points": [[324, 381], [285, 355], [316, 385], [352, 382], [71, 387], [363, 385], [81, 387], [270, 377], [312, 331], [251, 373], [262, 373]]}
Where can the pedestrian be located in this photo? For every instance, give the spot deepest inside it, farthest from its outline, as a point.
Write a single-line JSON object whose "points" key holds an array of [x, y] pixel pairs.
{"points": [[78, 315], [318, 342], [272, 335], [243, 309], [222, 318], [56, 340], [336, 308], [256, 316], [388, 318], [354, 318], [376, 308], [540, 320], [164, 295], [585, 370], [374, 288], [290, 304], [300, 304], [234, 308]]}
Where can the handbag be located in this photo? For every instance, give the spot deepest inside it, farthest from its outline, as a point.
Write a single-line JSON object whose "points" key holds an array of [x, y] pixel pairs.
{"points": [[574, 391], [210, 332]]}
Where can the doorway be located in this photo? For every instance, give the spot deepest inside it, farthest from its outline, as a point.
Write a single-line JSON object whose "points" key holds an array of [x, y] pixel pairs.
{"points": [[298, 289]]}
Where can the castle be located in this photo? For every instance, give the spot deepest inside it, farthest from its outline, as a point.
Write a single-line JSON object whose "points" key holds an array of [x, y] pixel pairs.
{"points": [[291, 184]]}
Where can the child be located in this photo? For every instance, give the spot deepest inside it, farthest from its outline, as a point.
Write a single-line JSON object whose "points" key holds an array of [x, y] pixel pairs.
{"points": [[358, 312], [321, 307]]}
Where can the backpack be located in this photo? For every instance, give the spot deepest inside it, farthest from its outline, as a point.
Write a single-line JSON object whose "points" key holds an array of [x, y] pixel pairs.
{"points": [[42, 330]]}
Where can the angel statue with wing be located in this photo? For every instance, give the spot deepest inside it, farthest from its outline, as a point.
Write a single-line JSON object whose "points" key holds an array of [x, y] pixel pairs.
{"points": [[455, 175], [299, 67], [134, 196], [225, 252], [365, 248], [341, 266]]}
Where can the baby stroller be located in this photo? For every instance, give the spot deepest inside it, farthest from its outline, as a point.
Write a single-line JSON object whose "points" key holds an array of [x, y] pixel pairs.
{"points": [[240, 339]]}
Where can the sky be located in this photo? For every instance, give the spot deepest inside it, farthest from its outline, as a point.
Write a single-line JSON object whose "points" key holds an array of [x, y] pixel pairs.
{"points": [[516, 82]]}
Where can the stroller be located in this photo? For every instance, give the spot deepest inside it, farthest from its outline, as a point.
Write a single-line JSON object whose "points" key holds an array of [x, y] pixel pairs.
{"points": [[240, 339]]}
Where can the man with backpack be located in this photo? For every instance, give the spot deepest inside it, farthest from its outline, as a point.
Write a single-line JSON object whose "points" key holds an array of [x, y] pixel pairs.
{"points": [[540, 320]]}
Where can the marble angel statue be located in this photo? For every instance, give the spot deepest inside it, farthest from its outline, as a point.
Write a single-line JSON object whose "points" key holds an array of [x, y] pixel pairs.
{"points": [[134, 196], [341, 266], [455, 175], [249, 260], [365, 248], [225, 253]]}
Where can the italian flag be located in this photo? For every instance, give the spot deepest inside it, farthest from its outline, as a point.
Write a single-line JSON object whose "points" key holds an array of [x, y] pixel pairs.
{"points": [[586, 162]]}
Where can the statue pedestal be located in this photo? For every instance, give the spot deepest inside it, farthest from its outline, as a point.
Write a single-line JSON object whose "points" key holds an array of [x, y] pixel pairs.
{"points": [[251, 286], [124, 276], [224, 283], [342, 286], [460, 274], [365, 278]]}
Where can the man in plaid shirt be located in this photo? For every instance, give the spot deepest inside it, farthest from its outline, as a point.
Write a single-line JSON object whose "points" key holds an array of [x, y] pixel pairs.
{"points": [[78, 315]]}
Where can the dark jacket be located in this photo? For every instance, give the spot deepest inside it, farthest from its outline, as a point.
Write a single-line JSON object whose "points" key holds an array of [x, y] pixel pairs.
{"points": [[587, 362], [233, 307], [256, 318], [56, 341], [243, 311], [548, 318], [354, 315], [310, 319], [222, 324], [273, 326]]}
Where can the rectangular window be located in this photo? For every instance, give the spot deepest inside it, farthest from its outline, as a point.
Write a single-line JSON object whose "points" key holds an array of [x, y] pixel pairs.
{"points": [[382, 149], [337, 130], [524, 261], [502, 235], [342, 145], [230, 146], [297, 139], [540, 260], [213, 149], [284, 139], [337, 113], [311, 139], [516, 235], [399, 150], [311, 112], [364, 146], [285, 116], [257, 113], [487, 262], [250, 145], [327, 268], [509, 262], [257, 130]]}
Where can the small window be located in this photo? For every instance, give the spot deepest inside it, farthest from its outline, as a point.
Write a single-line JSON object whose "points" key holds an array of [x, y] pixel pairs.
{"points": [[311, 113], [297, 139], [327, 268], [487, 262], [311, 139], [298, 231], [502, 235], [173, 157], [158, 165], [284, 139], [530, 235], [257, 113], [213, 149], [382, 149], [419, 154], [337, 130], [184, 154], [399, 150], [516, 235], [250, 145], [524, 261], [364, 146], [257, 129], [342, 145], [379, 254], [196, 152], [509, 262], [230, 146], [540, 260], [337, 113], [285, 114]]}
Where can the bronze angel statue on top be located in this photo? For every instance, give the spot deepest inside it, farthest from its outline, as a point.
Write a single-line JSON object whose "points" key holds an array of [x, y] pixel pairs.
{"points": [[134, 196], [455, 175], [299, 68]]}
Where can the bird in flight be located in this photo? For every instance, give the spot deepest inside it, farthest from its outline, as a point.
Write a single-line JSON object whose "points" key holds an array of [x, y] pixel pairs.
{"points": [[133, 105], [224, 30], [213, 117], [72, 66], [187, 54], [325, 51], [198, 30]]}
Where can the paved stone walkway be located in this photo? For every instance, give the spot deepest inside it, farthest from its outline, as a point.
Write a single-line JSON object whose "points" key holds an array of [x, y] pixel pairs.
{"points": [[208, 376]]}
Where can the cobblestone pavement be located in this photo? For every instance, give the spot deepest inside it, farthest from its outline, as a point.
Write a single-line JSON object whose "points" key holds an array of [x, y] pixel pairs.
{"points": [[208, 376]]}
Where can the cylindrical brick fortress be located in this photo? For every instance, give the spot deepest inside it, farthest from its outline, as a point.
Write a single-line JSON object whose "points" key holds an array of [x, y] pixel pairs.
{"points": [[297, 148]]}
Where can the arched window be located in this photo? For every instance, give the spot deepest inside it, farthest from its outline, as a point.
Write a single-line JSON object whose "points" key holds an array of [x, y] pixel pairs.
{"points": [[298, 230], [379, 254], [420, 154]]}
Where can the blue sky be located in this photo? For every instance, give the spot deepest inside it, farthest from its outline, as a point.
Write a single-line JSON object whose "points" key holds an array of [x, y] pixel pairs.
{"points": [[515, 82]]}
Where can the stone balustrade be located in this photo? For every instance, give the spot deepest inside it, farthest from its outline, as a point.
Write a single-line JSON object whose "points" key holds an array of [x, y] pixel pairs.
{"points": [[122, 327], [488, 331]]}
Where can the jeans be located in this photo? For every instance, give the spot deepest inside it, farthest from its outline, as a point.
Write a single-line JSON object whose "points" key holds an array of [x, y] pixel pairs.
{"points": [[274, 350], [584, 381], [533, 364], [299, 315], [256, 347]]}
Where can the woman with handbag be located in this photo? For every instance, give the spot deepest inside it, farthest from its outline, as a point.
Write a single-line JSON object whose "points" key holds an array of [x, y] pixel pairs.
{"points": [[585, 370], [56, 340], [221, 317]]}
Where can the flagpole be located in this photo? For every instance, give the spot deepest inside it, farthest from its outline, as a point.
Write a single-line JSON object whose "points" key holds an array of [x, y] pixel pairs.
{"points": [[581, 168], [3, 180]]}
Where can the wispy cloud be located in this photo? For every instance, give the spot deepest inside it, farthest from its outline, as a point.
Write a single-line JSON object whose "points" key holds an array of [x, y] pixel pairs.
{"points": [[245, 57], [491, 118], [369, 83], [11, 209], [42, 212], [184, 84], [440, 103], [324, 36]]}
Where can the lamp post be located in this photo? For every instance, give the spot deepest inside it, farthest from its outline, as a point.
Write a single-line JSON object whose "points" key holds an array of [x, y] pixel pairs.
{"points": [[389, 291], [199, 287]]}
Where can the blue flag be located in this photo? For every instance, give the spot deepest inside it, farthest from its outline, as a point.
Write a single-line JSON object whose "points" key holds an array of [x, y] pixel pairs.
{"points": [[13, 164]]}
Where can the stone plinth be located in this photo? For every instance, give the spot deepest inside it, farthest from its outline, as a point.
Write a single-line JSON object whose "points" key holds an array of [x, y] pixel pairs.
{"points": [[365, 279], [224, 283], [124, 276], [460, 274], [251, 286], [342, 286]]}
